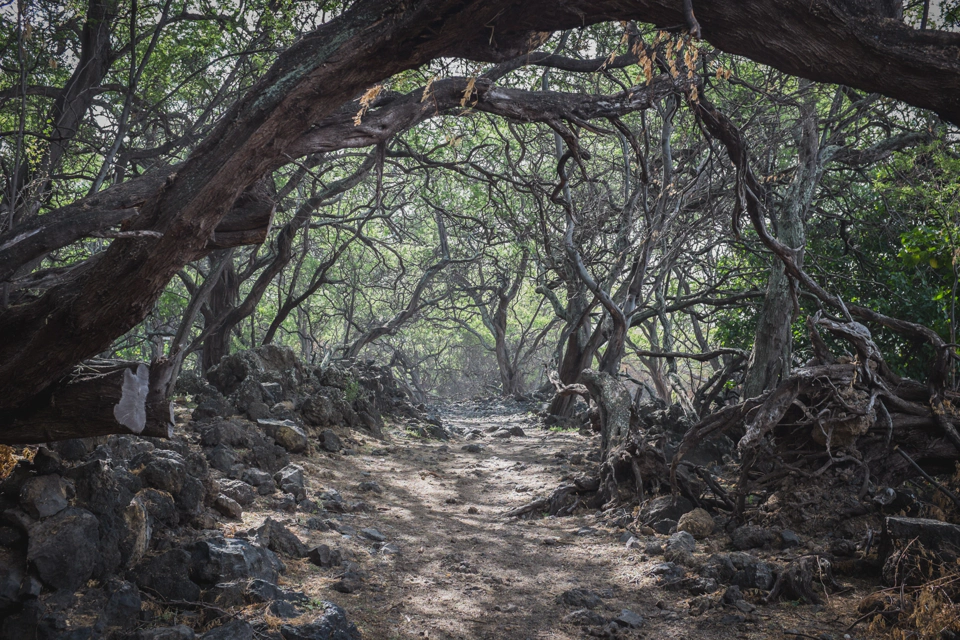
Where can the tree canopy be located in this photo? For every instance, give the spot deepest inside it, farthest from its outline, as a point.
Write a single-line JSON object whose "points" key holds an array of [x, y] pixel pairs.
{"points": [[489, 195]]}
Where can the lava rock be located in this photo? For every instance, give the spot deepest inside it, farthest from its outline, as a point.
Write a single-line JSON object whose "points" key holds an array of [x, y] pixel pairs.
{"points": [[65, 548], [160, 507], [211, 407], [665, 508], [46, 462], [161, 469], [369, 486], [330, 441], [265, 454], [101, 489], [283, 609], [330, 624], [227, 433], [12, 571], [667, 571], [585, 618], [44, 496], [227, 559], [741, 569], [324, 556], [222, 458], [123, 606], [933, 534], [629, 619], [278, 538], [167, 575], [286, 433], [750, 536], [789, 539], [240, 491], [664, 527], [680, 548], [583, 598], [179, 632], [349, 582], [262, 480], [290, 480], [233, 630], [260, 591], [225, 595], [228, 506], [372, 534], [286, 502]]}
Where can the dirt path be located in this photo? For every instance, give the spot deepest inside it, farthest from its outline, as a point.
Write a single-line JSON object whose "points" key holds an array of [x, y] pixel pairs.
{"points": [[463, 571]]}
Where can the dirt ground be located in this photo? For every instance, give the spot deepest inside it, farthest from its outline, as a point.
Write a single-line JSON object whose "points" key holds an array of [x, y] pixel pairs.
{"points": [[463, 571]]}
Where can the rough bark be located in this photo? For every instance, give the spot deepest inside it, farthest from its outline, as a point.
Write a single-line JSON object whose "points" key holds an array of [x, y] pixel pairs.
{"points": [[80, 316], [100, 397], [772, 352]]}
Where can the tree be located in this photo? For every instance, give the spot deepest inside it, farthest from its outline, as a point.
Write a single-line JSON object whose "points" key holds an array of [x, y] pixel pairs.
{"points": [[173, 213]]}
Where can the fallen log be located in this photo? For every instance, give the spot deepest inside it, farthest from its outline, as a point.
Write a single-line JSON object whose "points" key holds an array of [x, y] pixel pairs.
{"points": [[100, 397]]}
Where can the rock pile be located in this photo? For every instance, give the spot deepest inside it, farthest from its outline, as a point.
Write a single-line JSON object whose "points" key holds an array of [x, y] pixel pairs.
{"points": [[292, 401], [91, 533]]}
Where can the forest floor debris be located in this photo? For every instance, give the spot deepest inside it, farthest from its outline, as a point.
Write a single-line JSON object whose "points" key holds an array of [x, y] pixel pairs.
{"points": [[408, 536]]}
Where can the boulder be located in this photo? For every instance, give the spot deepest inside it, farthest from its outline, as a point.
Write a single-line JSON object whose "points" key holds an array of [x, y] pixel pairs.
{"points": [[320, 411], [226, 432], [584, 618], [262, 480], [241, 492], [266, 455], [217, 560], [212, 406], [629, 619], [44, 496], [750, 536], [697, 523], [324, 556], [227, 506], [741, 569], [122, 610], [933, 534], [680, 548], [665, 508], [274, 536], [179, 632], [290, 479], [330, 623], [65, 548], [161, 509], [286, 433], [161, 469], [101, 489], [46, 462], [13, 568], [233, 630], [581, 598], [789, 539], [167, 574], [330, 441], [222, 458]]}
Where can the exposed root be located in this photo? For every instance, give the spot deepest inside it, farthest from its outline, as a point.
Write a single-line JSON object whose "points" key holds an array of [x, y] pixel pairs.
{"points": [[796, 582]]}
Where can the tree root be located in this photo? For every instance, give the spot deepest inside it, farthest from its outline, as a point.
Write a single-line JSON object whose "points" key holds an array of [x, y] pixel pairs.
{"points": [[796, 581]]}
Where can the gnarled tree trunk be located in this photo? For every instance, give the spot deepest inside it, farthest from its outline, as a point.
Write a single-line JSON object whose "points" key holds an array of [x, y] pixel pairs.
{"points": [[100, 397]]}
